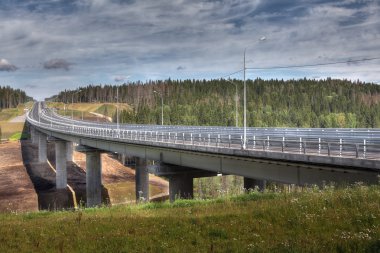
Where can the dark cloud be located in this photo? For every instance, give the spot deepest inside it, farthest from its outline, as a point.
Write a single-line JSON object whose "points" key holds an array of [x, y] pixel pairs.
{"points": [[181, 68], [57, 64], [31, 86], [120, 78], [7, 66]]}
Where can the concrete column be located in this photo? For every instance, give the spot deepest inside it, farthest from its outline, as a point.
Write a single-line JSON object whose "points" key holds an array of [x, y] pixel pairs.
{"points": [[142, 180], [69, 151], [123, 159], [180, 186], [35, 137], [93, 178], [250, 183], [32, 136], [60, 164], [42, 143]]}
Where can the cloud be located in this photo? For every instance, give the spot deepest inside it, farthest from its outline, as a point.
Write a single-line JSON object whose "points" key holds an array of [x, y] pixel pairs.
{"points": [[120, 78], [57, 64], [206, 38], [7, 66]]}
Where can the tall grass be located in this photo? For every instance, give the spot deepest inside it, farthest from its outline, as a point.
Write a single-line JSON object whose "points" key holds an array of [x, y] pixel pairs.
{"points": [[328, 220]]}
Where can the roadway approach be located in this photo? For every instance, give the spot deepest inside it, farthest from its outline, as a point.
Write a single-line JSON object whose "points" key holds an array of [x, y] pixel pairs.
{"points": [[286, 155]]}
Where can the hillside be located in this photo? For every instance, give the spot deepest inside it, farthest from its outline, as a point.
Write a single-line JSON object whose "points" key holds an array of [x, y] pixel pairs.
{"points": [[331, 220], [270, 103]]}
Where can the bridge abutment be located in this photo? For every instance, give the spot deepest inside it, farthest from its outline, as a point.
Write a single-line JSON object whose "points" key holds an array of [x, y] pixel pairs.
{"points": [[93, 175], [142, 180], [251, 183], [42, 147]]}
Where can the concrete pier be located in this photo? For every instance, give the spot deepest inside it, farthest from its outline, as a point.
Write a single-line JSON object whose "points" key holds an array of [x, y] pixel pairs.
{"points": [[180, 186], [93, 175], [60, 164], [34, 136], [250, 183], [69, 151], [180, 179], [93, 178], [42, 147], [142, 180]]}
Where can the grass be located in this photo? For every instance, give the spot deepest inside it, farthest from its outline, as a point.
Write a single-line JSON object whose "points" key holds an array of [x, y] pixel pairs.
{"points": [[10, 113], [117, 191], [107, 109], [332, 220], [11, 129]]}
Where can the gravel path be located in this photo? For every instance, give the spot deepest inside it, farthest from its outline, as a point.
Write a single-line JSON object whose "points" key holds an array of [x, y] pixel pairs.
{"points": [[18, 119]]}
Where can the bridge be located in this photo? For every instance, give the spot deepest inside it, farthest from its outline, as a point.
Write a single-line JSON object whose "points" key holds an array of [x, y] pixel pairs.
{"points": [[304, 156]]}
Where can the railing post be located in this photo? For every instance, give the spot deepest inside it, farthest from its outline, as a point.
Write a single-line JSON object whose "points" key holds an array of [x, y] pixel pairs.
{"points": [[183, 138], [340, 147], [156, 136], [263, 144], [208, 140], [364, 148], [229, 140], [217, 140], [191, 138], [254, 142], [319, 146], [175, 138], [283, 144], [268, 144], [300, 144]]}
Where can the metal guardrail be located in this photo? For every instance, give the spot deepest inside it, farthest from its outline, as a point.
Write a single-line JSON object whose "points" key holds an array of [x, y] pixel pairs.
{"points": [[193, 137]]}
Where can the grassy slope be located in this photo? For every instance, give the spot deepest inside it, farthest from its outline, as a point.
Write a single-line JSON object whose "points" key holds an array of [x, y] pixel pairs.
{"points": [[346, 220], [12, 130], [85, 109]]}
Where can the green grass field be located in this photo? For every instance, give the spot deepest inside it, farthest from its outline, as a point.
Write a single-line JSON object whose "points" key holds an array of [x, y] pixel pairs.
{"points": [[331, 220], [107, 109], [10, 130]]}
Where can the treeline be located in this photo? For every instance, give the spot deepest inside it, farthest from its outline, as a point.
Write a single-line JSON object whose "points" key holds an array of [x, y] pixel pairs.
{"points": [[10, 98], [292, 103]]}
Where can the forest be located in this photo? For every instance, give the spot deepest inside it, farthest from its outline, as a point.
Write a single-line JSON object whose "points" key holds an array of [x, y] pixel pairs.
{"points": [[270, 103], [10, 98]]}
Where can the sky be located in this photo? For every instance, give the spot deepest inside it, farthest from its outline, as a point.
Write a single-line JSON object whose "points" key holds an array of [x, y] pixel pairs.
{"points": [[50, 45]]}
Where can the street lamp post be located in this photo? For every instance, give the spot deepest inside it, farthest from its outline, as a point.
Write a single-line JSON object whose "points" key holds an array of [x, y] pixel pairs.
{"points": [[162, 106], [117, 107], [245, 106]]}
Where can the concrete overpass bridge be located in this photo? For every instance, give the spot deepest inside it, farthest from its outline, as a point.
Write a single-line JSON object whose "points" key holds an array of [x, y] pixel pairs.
{"points": [[285, 155]]}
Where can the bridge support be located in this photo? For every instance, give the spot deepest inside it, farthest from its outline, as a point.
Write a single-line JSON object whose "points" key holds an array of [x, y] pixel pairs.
{"points": [[34, 136], [60, 164], [142, 180], [69, 151], [250, 183], [180, 187], [180, 179], [42, 148], [93, 175]]}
